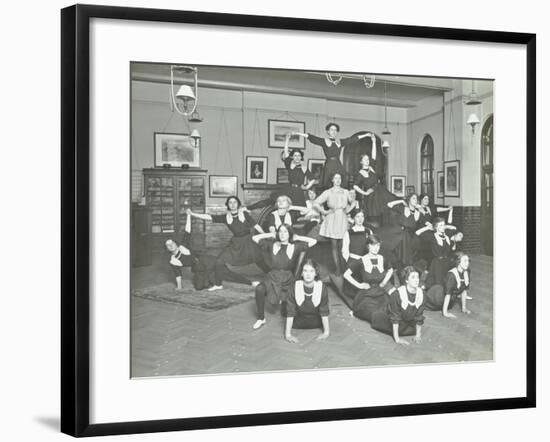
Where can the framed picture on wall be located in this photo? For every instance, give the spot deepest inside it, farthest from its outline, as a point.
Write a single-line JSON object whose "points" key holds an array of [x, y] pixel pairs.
{"points": [[440, 184], [409, 190], [282, 175], [398, 185], [278, 129], [175, 150], [315, 166], [110, 346], [222, 186], [452, 178], [256, 170]]}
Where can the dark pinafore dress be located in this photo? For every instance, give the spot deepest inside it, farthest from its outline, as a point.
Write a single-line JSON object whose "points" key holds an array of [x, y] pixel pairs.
{"points": [[404, 308], [282, 260], [375, 203], [297, 177], [333, 149], [441, 248], [375, 298]]}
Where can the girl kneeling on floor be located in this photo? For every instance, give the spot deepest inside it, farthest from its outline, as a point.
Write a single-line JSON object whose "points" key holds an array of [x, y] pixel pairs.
{"points": [[307, 304]]}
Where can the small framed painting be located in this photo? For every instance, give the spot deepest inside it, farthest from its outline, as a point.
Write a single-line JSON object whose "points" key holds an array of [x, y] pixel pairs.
{"points": [[277, 130], [409, 189], [398, 185], [315, 166], [440, 184], [256, 170], [175, 150], [222, 186], [452, 178], [282, 175]]}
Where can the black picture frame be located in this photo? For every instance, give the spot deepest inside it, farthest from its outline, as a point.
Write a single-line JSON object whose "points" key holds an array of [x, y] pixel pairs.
{"points": [[75, 218], [452, 179]]}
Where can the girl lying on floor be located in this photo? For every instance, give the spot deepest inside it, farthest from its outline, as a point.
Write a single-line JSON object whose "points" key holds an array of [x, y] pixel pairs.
{"points": [[307, 304]]}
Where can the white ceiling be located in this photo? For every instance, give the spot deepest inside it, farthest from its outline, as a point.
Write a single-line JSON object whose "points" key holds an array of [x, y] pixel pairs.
{"points": [[402, 91]]}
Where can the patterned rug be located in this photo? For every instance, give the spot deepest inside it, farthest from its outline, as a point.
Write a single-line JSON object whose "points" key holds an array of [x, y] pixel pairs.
{"points": [[232, 294]]}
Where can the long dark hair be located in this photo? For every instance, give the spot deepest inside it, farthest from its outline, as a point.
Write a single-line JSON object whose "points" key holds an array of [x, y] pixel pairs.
{"points": [[310, 262], [290, 231]]}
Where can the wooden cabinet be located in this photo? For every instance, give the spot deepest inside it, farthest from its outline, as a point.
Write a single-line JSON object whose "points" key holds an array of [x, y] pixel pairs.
{"points": [[141, 236], [168, 193]]}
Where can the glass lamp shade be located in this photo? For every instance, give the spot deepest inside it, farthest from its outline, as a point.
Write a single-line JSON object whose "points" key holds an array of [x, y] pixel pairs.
{"points": [[385, 144], [185, 93], [195, 134]]}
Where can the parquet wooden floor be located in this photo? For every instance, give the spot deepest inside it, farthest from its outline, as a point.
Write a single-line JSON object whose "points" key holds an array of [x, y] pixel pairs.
{"points": [[168, 339]]}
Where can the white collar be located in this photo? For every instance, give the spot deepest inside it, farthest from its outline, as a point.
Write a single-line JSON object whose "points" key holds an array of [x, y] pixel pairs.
{"points": [[229, 217], [358, 229], [278, 221], [300, 293], [454, 271], [175, 261], [367, 263], [302, 166], [329, 142], [289, 249], [403, 295], [440, 240], [365, 172]]}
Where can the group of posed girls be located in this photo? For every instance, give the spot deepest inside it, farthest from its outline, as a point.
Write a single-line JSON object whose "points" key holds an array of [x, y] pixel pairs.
{"points": [[388, 275]]}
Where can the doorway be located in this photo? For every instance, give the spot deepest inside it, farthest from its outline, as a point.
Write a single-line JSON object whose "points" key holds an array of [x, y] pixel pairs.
{"points": [[487, 187]]}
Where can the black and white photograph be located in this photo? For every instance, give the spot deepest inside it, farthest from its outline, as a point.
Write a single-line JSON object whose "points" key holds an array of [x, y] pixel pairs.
{"points": [[278, 130], [315, 166], [256, 170], [440, 184], [175, 150], [398, 185], [452, 178], [221, 186], [335, 263]]}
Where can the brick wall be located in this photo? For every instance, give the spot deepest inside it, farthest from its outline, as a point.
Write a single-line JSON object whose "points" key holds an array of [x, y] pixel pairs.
{"points": [[467, 219]]}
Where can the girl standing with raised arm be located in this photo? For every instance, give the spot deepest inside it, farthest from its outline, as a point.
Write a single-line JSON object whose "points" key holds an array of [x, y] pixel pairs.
{"points": [[307, 305], [374, 196], [282, 252], [333, 148], [241, 250]]}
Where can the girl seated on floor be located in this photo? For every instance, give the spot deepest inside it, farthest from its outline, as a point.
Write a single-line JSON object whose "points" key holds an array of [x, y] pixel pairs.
{"points": [[180, 255], [307, 304]]}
